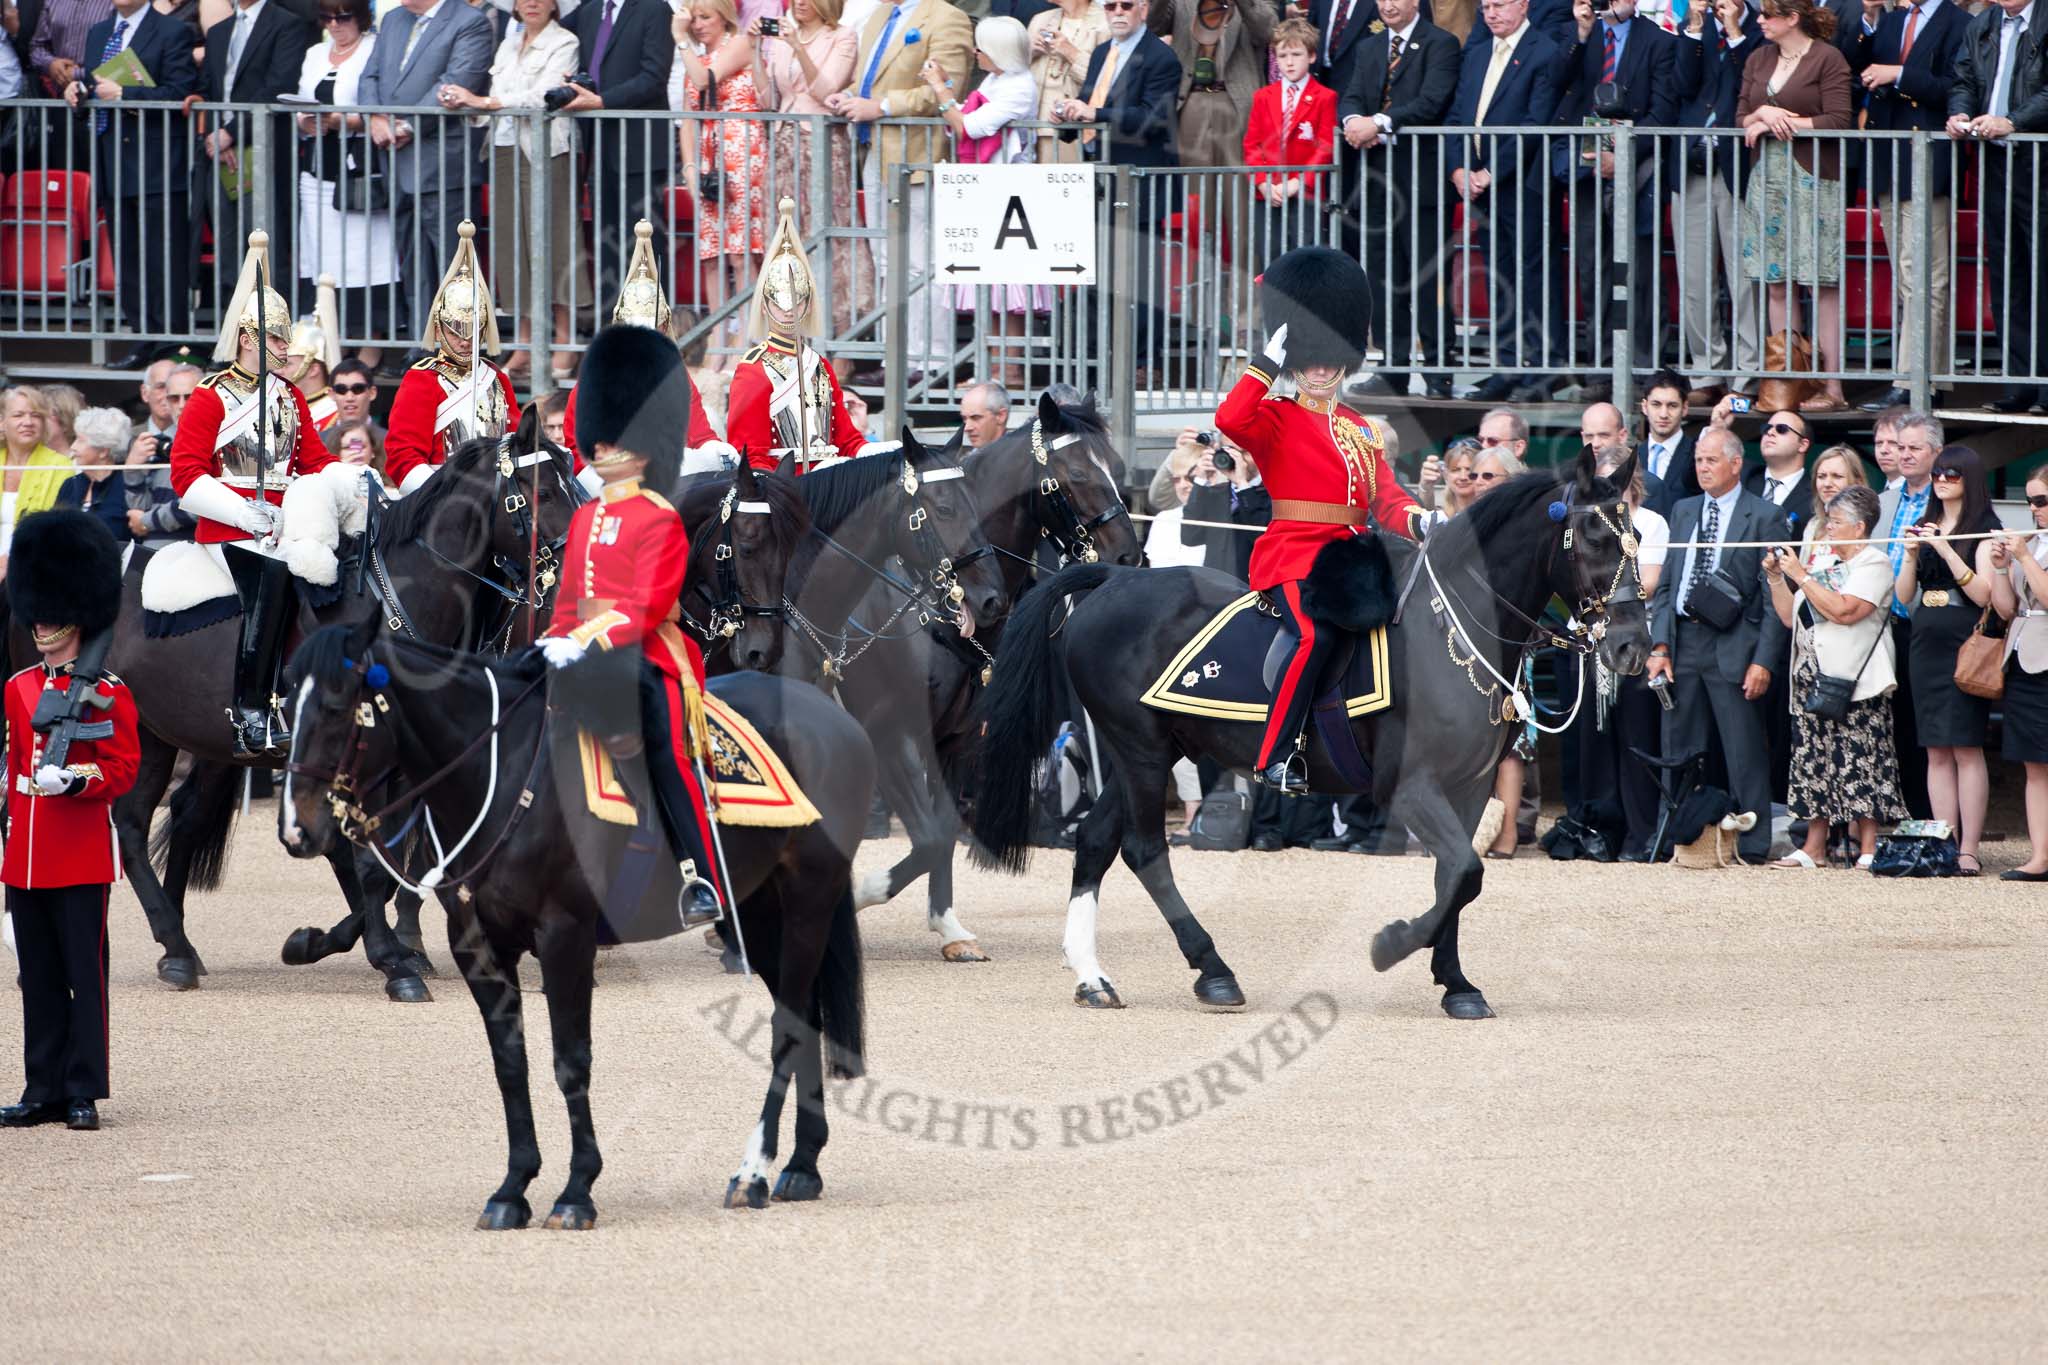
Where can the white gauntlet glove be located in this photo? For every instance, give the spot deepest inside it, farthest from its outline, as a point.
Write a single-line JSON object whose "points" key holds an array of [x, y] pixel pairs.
{"points": [[53, 781], [560, 651], [1276, 348], [213, 500]]}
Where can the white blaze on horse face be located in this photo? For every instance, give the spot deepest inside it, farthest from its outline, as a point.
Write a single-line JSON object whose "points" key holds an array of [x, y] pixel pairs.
{"points": [[1079, 943], [287, 813]]}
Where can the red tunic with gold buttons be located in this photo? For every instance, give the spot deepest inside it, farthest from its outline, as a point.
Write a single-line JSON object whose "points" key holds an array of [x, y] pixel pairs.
{"points": [[420, 435], [785, 395], [1328, 455], [66, 840], [622, 578], [217, 436]]}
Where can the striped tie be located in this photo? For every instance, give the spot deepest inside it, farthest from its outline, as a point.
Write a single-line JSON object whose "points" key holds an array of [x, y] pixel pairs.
{"points": [[107, 54], [1393, 69], [1607, 66]]}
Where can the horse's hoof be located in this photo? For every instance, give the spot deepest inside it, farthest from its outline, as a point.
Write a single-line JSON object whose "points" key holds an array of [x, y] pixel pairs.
{"points": [[302, 949], [963, 950], [1467, 1005], [1219, 992], [754, 1195], [419, 964], [796, 1187], [572, 1218], [179, 973], [408, 990], [1098, 995], [1392, 944], [504, 1215]]}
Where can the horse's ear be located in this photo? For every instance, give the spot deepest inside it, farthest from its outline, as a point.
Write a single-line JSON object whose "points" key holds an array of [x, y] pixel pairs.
{"points": [[363, 634], [786, 466], [1049, 415], [1586, 470], [1624, 474], [743, 477], [913, 449], [956, 443]]}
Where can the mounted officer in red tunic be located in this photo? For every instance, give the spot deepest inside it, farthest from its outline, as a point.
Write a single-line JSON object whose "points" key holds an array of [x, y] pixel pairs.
{"points": [[1327, 470], [456, 394], [643, 303], [622, 575], [245, 435], [785, 399], [71, 751]]}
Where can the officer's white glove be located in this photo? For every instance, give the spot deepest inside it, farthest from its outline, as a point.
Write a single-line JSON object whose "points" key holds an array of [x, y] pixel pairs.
{"points": [[1429, 521], [213, 500], [264, 517], [589, 481], [560, 651], [1276, 347], [53, 781]]}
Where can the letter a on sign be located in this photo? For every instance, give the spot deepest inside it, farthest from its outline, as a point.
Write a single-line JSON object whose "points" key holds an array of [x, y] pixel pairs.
{"points": [[1015, 224], [1022, 224]]}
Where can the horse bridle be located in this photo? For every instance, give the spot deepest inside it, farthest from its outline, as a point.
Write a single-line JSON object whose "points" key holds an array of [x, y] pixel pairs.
{"points": [[730, 608], [1057, 517]]}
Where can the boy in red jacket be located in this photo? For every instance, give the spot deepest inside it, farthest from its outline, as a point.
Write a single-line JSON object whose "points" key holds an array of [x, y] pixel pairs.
{"points": [[71, 751], [1293, 123]]}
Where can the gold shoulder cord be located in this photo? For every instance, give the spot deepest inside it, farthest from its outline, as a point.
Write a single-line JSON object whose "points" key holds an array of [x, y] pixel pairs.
{"points": [[1359, 453]]}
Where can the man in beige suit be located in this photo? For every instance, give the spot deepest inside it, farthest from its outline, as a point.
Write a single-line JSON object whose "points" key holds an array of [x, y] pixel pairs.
{"points": [[895, 43]]}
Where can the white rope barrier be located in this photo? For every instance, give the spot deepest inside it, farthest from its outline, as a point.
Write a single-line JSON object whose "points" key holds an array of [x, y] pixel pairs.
{"points": [[77, 468]]}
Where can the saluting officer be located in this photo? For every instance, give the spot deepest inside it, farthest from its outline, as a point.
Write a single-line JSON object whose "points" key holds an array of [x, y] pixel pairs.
{"points": [[71, 750], [622, 576], [1325, 465]]}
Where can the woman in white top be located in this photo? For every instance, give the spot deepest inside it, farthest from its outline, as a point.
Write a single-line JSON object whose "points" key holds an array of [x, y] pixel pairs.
{"points": [[1844, 772], [344, 223], [1163, 549], [537, 56], [984, 133]]}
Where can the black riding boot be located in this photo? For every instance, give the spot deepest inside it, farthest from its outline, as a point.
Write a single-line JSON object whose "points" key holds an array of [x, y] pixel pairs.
{"points": [[264, 585], [679, 799]]}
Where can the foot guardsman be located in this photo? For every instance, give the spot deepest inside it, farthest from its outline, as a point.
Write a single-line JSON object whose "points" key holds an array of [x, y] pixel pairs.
{"points": [[456, 393], [1325, 465], [71, 750], [314, 351], [622, 575], [244, 437], [785, 399], [642, 303]]}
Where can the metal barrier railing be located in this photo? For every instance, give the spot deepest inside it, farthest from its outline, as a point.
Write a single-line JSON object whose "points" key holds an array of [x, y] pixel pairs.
{"points": [[1543, 269]]}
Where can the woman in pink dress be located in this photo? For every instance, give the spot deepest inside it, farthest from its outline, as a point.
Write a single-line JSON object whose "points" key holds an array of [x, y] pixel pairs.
{"points": [[725, 160], [812, 57]]}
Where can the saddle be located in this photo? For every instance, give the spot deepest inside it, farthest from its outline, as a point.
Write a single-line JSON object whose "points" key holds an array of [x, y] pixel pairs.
{"points": [[1228, 669]]}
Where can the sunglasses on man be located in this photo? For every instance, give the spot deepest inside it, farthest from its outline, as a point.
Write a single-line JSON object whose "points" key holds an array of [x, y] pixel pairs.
{"points": [[1783, 429], [350, 388]]}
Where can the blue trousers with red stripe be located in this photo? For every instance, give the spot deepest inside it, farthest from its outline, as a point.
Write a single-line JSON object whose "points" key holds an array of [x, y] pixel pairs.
{"points": [[1294, 693], [60, 934]]}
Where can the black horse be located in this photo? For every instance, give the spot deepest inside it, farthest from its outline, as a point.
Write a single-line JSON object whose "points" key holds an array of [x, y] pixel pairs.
{"points": [[381, 726], [447, 564], [1055, 480], [1477, 590]]}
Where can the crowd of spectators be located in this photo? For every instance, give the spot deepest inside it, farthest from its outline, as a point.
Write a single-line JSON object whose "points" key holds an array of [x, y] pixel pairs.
{"points": [[1795, 89]]}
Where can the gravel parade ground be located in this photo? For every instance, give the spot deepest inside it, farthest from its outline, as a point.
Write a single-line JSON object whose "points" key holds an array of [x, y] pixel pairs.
{"points": [[1737, 1115]]}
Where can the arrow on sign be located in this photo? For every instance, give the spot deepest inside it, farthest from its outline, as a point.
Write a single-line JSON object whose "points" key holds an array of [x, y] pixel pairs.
{"points": [[1072, 269], [969, 269]]}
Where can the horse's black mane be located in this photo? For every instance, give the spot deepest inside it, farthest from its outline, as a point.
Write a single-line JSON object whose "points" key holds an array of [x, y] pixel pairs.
{"points": [[323, 657], [326, 656], [409, 518], [789, 517], [1495, 514], [844, 490]]}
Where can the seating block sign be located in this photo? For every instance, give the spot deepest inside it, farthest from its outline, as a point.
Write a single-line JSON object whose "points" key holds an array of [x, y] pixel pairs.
{"points": [[1021, 224]]}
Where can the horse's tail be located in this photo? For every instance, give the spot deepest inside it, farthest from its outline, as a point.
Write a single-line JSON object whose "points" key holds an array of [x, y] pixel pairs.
{"points": [[1020, 716], [203, 811], [842, 994]]}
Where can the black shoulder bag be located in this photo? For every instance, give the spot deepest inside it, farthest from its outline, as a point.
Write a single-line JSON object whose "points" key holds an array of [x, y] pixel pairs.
{"points": [[1831, 696]]}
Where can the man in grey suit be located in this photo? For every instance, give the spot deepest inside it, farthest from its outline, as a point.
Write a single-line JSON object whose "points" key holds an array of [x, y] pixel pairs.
{"points": [[1720, 673], [421, 47]]}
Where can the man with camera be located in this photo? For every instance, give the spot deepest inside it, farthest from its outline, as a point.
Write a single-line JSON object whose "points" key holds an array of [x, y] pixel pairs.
{"points": [[1713, 635]]}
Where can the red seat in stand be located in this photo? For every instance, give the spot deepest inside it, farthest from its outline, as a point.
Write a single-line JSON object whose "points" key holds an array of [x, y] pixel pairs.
{"points": [[46, 225]]}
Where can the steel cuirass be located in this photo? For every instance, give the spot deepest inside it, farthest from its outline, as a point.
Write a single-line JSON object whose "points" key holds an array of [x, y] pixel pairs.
{"points": [[239, 443]]}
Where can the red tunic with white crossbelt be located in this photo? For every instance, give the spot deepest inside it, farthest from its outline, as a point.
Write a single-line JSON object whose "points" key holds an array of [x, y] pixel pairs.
{"points": [[702, 433], [1300, 455], [411, 439], [750, 425], [66, 840], [622, 577], [194, 451]]}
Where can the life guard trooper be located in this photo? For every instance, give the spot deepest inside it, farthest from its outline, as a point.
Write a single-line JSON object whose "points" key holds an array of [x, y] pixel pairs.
{"points": [[71, 751], [622, 574], [1327, 470], [642, 303], [784, 398], [314, 351], [456, 393], [244, 436]]}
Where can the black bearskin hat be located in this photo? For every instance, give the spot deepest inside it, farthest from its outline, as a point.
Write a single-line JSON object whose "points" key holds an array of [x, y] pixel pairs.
{"points": [[1322, 297], [634, 392], [64, 569]]}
